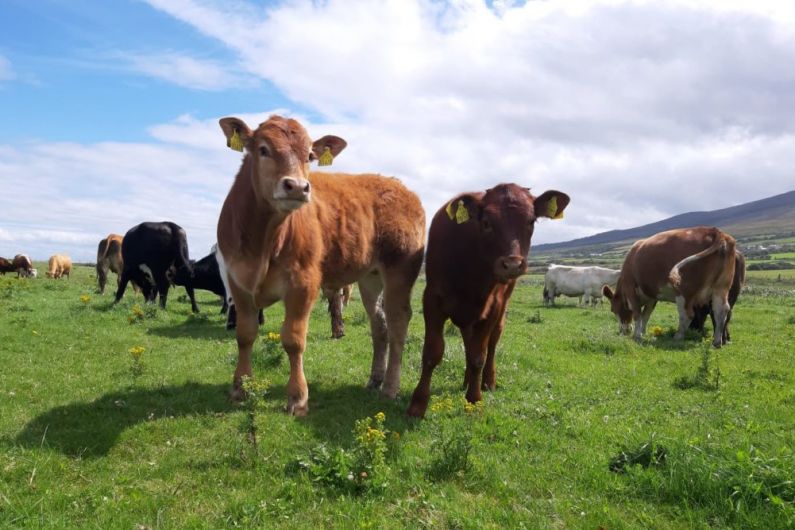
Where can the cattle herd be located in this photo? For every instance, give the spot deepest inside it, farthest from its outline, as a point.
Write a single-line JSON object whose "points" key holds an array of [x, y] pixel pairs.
{"points": [[286, 234]]}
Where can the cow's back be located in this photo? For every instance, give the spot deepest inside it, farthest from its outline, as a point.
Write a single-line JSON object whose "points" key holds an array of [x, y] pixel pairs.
{"points": [[652, 259], [361, 220]]}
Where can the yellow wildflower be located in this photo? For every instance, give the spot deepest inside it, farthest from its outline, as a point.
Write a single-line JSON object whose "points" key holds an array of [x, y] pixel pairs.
{"points": [[380, 416], [85, 298], [136, 352], [656, 331]]}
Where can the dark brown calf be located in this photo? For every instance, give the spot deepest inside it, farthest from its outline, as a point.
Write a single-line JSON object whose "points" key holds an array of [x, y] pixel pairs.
{"points": [[284, 233], [477, 248], [6, 266]]}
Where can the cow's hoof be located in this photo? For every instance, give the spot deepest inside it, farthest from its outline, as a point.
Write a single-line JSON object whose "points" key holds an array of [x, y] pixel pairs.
{"points": [[297, 409], [389, 393], [416, 410], [716, 345], [237, 395], [374, 384]]}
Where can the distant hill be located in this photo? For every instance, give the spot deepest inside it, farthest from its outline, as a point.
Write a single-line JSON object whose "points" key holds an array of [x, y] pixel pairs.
{"points": [[752, 220]]}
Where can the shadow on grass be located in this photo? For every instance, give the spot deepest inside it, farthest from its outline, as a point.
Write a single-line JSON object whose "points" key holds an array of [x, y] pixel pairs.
{"points": [[199, 326], [91, 429], [333, 409]]}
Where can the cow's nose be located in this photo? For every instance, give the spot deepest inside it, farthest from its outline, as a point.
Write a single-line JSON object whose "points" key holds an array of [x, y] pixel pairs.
{"points": [[510, 266], [293, 189]]}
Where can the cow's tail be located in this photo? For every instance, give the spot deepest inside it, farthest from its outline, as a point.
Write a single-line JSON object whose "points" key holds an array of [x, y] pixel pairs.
{"points": [[183, 256], [102, 250], [719, 246]]}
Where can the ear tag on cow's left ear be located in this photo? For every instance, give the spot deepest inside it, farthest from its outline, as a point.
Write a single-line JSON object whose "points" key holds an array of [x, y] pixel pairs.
{"points": [[552, 209], [326, 158], [235, 142], [461, 214]]}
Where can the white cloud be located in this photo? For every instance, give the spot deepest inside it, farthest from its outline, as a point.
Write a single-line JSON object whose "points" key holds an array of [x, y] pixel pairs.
{"points": [[185, 71], [637, 109], [6, 71]]}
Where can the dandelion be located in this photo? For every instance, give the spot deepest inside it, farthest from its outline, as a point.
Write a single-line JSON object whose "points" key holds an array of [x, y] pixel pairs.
{"points": [[656, 331], [274, 336], [471, 408], [442, 405], [136, 352], [380, 416], [85, 298]]}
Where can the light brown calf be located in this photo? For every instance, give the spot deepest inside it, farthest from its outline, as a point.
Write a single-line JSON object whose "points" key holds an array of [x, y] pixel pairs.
{"points": [[59, 266], [284, 233], [109, 257], [689, 266]]}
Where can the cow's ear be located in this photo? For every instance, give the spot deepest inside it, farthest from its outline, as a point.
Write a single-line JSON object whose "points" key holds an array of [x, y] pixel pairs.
{"points": [[463, 208], [607, 292], [326, 149], [236, 131], [551, 204]]}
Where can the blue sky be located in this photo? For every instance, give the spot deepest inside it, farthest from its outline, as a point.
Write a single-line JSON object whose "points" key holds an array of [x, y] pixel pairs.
{"points": [[638, 109]]}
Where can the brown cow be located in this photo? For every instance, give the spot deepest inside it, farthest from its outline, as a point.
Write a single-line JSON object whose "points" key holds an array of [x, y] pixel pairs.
{"points": [[6, 266], [284, 233], [109, 257], [689, 266], [701, 312], [23, 265], [59, 266], [477, 248]]}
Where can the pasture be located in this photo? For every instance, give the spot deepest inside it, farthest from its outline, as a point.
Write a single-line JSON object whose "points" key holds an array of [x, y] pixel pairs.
{"points": [[117, 417]]}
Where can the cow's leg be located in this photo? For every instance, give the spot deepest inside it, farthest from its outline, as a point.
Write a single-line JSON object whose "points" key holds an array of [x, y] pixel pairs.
{"points": [[684, 318], [162, 283], [335, 311], [192, 296], [297, 306], [489, 370], [231, 316], [102, 277], [246, 332], [645, 315], [124, 277], [370, 287], [476, 338], [721, 309], [397, 307], [432, 353]]}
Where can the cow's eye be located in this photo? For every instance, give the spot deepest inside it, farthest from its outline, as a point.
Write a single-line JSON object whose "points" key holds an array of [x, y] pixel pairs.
{"points": [[263, 151], [311, 157], [485, 224]]}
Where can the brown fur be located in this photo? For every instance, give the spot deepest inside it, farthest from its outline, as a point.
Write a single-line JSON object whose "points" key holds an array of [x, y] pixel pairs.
{"points": [[364, 228], [59, 266], [337, 300], [469, 283], [22, 265], [695, 265], [6, 266], [109, 257]]}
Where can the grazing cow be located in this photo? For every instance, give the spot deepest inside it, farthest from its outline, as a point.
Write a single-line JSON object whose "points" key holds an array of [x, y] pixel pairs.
{"points": [[59, 266], [6, 266], [206, 276], [109, 257], [337, 300], [23, 265], [477, 248], [148, 251], [583, 282], [689, 266], [284, 233], [701, 312]]}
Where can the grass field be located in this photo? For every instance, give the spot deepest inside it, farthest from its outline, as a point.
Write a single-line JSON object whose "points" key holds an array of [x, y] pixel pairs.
{"points": [[586, 429]]}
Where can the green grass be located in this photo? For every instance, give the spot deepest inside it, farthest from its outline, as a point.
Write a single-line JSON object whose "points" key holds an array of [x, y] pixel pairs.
{"points": [[586, 429]]}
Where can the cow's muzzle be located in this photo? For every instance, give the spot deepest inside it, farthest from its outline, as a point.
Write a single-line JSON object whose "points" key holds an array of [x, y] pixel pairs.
{"points": [[292, 192], [509, 267]]}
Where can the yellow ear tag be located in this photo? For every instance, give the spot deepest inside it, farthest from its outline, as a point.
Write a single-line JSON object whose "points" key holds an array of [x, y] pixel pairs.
{"points": [[326, 158], [235, 142], [552, 209], [461, 214]]}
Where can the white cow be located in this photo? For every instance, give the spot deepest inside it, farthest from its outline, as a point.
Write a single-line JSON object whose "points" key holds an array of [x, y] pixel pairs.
{"points": [[583, 282]]}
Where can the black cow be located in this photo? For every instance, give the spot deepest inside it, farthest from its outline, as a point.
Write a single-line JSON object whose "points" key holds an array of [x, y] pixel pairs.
{"points": [[206, 275], [149, 250], [701, 312]]}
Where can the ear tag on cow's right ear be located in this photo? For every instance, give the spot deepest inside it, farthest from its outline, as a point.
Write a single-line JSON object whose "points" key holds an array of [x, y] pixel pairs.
{"points": [[235, 142], [552, 209], [326, 158], [461, 214]]}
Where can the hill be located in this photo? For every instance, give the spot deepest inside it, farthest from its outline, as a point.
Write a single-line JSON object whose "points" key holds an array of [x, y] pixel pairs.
{"points": [[765, 219]]}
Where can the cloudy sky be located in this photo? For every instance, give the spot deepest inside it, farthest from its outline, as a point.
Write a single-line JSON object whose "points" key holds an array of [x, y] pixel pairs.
{"points": [[639, 110]]}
